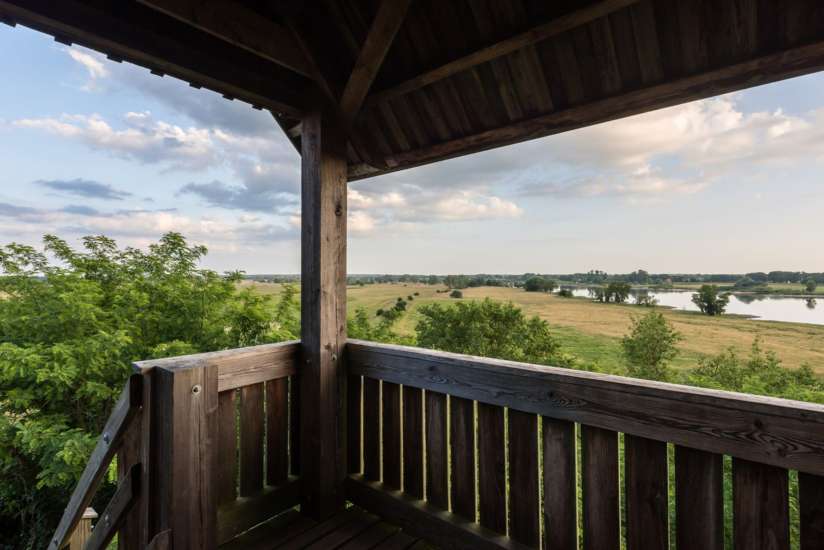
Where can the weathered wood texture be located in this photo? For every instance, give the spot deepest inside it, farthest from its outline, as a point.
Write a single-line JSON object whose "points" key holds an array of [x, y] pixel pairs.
{"points": [[227, 449], [437, 467], [761, 429], [811, 504], [413, 442], [242, 514], [124, 498], [130, 453], [391, 429], [462, 443], [240, 26], [599, 467], [761, 503], [186, 401], [277, 432], [387, 21], [423, 519], [560, 498], [371, 429], [491, 467], [699, 499], [323, 315], [83, 531], [524, 510], [354, 423], [122, 414], [238, 367], [251, 439], [646, 493]]}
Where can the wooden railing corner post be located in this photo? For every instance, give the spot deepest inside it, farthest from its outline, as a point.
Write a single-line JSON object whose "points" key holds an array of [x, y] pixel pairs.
{"points": [[186, 434]]}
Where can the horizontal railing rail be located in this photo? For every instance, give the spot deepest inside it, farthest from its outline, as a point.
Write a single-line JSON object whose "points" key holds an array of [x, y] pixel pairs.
{"points": [[444, 417]]}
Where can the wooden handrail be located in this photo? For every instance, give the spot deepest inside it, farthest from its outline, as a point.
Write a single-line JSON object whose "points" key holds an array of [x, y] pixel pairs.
{"points": [[779, 432], [115, 514], [127, 405], [237, 367]]}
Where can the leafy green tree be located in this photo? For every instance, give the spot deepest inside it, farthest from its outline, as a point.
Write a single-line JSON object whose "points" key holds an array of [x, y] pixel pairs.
{"points": [[810, 285], [540, 284], [710, 300], [456, 281], [565, 293], [650, 346], [456, 294], [488, 329], [618, 293], [71, 323]]}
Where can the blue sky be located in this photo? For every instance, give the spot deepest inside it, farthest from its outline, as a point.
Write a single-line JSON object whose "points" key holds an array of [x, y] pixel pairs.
{"points": [[731, 184]]}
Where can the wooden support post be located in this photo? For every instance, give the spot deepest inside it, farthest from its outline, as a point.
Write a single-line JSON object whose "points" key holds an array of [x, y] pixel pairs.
{"points": [[323, 315], [83, 530], [186, 401]]}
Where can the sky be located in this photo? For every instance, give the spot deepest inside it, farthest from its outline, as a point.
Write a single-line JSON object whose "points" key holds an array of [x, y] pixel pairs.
{"points": [[727, 185]]}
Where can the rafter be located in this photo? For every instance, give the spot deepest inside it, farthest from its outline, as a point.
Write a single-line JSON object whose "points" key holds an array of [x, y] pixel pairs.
{"points": [[140, 35], [384, 28], [770, 68], [504, 47], [237, 24]]}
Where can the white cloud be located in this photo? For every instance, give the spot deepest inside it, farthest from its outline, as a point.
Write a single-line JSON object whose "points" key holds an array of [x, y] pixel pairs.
{"points": [[93, 62]]}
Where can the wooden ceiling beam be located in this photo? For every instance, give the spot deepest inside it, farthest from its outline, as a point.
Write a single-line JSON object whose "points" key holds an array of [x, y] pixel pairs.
{"points": [[533, 36], [135, 33], [387, 21], [237, 24], [770, 68]]}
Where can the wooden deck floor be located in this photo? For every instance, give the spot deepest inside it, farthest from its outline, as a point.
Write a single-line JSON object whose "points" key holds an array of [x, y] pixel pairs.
{"points": [[353, 529]]}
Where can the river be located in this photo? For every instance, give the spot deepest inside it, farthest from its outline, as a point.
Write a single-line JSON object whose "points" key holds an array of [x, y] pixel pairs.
{"points": [[761, 307]]}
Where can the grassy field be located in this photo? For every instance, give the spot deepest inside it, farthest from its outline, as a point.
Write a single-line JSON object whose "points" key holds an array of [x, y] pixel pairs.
{"points": [[593, 331]]}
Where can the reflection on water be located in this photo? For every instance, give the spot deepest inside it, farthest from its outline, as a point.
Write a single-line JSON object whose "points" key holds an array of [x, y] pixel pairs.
{"points": [[763, 307]]}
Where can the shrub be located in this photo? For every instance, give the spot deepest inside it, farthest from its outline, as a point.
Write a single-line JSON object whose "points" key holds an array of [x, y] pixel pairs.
{"points": [[487, 329], [456, 294], [710, 301], [565, 293], [650, 346]]}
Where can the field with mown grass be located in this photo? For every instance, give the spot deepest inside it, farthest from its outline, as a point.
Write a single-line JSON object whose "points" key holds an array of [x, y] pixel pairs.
{"points": [[593, 331]]}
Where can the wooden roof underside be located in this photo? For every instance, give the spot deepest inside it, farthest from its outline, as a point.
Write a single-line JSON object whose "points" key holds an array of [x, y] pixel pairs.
{"points": [[418, 81]]}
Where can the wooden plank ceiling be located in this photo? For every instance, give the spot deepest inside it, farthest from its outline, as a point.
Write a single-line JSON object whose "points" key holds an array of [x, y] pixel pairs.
{"points": [[418, 81]]}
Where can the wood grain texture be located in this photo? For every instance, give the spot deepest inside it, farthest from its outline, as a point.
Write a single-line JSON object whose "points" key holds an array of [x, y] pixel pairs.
{"points": [[323, 314], [462, 443], [294, 425], [238, 367], [423, 519], [130, 453], [437, 467], [277, 432], [391, 429], [227, 449], [124, 498], [646, 493], [560, 499], [501, 48], [491, 467], [599, 467], [762, 429], [371, 429], [354, 385], [699, 499], [413, 441], [251, 439], [123, 412], [761, 514], [244, 513], [811, 504], [387, 21], [524, 510], [187, 402], [240, 26]]}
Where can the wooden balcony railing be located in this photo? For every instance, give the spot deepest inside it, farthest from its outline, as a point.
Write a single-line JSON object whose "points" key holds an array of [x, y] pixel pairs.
{"points": [[451, 451], [463, 451]]}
